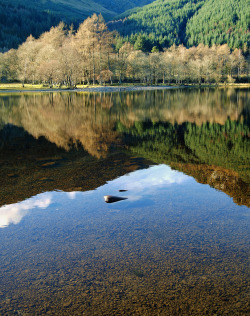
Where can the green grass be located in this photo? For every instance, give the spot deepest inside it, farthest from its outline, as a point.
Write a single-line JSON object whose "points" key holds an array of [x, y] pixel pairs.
{"points": [[19, 86]]}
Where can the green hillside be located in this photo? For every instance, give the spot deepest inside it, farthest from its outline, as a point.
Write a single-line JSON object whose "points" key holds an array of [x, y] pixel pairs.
{"points": [[119, 6], [20, 18], [219, 22], [76, 10], [18, 22], [145, 23], [189, 22]]}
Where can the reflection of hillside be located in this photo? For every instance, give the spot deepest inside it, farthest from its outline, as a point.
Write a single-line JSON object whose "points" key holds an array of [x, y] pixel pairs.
{"points": [[204, 133], [213, 154], [29, 167], [219, 178], [69, 119]]}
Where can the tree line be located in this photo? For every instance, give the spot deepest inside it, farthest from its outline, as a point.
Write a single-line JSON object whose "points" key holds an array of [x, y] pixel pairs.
{"points": [[94, 55]]}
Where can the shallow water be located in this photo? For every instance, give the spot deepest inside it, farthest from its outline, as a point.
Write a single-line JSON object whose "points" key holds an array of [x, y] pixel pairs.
{"points": [[179, 243]]}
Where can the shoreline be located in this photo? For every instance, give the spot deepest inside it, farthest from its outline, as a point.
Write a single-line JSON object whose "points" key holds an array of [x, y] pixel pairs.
{"points": [[101, 89], [104, 89]]}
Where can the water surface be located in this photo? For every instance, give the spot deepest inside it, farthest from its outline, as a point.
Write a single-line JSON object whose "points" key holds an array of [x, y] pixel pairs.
{"points": [[179, 243]]}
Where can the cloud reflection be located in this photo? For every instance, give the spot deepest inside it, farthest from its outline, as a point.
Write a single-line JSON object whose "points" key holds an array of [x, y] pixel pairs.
{"points": [[139, 183], [71, 195], [154, 176], [146, 180], [13, 213]]}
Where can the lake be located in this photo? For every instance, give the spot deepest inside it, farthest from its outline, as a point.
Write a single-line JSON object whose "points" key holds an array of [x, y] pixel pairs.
{"points": [[177, 244]]}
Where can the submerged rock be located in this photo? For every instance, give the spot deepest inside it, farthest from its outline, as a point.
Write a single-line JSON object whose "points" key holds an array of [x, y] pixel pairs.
{"points": [[112, 199]]}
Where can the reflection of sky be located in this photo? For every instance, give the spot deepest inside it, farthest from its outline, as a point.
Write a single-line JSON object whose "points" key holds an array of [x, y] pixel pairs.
{"points": [[147, 180], [13, 213], [155, 176], [137, 183]]}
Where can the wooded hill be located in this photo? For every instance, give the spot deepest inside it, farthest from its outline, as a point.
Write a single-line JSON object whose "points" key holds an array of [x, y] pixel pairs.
{"points": [[160, 23], [20, 18], [189, 22]]}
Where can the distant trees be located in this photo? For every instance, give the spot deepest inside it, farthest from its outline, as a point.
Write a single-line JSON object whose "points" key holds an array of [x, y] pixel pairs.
{"points": [[220, 22], [188, 22], [91, 55], [17, 21]]}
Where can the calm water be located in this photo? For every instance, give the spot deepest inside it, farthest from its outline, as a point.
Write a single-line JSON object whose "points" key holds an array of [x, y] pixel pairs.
{"points": [[179, 243]]}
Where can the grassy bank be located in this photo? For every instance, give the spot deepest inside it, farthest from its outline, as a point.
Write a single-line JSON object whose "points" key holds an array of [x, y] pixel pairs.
{"points": [[18, 87]]}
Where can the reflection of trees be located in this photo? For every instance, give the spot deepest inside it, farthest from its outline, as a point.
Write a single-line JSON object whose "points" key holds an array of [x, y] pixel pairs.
{"points": [[70, 119], [64, 119], [204, 133], [225, 145], [215, 154]]}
